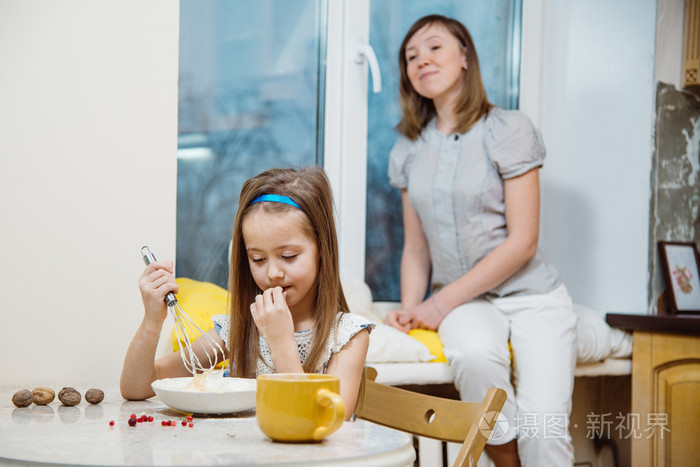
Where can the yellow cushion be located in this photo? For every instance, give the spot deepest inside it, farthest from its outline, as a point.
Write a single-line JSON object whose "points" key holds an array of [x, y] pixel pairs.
{"points": [[431, 340], [200, 301]]}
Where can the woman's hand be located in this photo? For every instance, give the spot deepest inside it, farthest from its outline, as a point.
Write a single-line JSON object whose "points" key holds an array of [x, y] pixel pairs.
{"points": [[426, 315], [155, 283], [395, 318]]}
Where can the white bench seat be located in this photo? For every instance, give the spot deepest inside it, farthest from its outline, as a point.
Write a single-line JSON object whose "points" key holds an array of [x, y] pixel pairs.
{"points": [[398, 374]]}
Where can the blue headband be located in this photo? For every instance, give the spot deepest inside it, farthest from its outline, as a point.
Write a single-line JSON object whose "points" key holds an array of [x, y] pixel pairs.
{"points": [[276, 199]]}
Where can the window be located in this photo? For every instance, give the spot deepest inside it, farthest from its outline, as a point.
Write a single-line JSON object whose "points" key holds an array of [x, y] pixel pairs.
{"points": [[250, 81], [276, 83]]}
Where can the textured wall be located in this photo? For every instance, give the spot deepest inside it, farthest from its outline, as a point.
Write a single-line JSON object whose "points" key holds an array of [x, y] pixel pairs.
{"points": [[675, 177]]}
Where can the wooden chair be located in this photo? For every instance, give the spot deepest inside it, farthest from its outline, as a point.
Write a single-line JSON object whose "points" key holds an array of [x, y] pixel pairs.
{"points": [[468, 423]]}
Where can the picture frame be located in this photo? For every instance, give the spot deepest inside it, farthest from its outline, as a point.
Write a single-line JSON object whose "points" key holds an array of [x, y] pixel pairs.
{"points": [[680, 266]]}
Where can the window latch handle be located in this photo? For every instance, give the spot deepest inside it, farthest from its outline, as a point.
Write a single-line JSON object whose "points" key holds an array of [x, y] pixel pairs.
{"points": [[365, 52]]}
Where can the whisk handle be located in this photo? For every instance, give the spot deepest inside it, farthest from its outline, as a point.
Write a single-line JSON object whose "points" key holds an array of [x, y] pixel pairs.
{"points": [[148, 258]]}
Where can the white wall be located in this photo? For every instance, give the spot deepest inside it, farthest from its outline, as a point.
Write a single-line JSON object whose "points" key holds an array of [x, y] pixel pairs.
{"points": [[588, 82], [88, 140]]}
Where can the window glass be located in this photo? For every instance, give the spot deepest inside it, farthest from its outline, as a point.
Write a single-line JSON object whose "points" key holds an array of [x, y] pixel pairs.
{"points": [[495, 29], [250, 98]]}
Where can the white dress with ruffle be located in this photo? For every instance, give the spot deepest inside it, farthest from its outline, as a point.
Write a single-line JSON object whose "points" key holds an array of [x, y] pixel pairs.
{"points": [[347, 325]]}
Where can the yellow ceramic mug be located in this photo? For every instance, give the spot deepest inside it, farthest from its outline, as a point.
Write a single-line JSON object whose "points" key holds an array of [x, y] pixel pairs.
{"points": [[295, 407]]}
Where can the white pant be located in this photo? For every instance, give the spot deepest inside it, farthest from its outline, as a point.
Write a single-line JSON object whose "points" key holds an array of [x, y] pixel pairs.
{"points": [[542, 334]]}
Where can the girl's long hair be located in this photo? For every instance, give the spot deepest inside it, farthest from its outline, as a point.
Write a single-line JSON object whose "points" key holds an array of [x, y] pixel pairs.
{"points": [[417, 111], [310, 189]]}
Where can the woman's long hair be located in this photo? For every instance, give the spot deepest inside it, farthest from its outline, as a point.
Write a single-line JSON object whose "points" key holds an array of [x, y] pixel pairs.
{"points": [[310, 189], [417, 110]]}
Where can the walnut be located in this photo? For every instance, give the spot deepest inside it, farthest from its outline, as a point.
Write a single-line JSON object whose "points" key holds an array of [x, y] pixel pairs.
{"points": [[22, 398], [43, 396], [94, 396], [69, 396]]}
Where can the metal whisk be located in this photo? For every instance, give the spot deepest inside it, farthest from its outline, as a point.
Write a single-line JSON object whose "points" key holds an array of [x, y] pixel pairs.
{"points": [[184, 326]]}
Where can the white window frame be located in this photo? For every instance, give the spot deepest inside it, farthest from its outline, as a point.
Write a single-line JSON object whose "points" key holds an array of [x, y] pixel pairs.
{"points": [[345, 140]]}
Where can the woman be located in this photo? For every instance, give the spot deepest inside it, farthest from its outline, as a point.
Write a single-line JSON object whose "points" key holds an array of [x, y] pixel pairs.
{"points": [[468, 174]]}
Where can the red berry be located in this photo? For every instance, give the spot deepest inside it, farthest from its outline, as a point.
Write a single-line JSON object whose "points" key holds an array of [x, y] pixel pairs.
{"points": [[111, 423], [150, 419], [191, 424], [184, 423], [189, 418], [132, 422], [163, 423], [133, 415]]}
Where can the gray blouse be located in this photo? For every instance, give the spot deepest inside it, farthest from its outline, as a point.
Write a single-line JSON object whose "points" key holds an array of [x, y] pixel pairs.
{"points": [[455, 185]]}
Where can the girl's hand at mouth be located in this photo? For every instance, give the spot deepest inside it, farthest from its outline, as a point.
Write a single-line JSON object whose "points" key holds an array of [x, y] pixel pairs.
{"points": [[272, 316]]}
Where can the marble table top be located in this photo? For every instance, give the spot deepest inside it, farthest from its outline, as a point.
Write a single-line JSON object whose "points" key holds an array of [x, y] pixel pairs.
{"points": [[82, 435]]}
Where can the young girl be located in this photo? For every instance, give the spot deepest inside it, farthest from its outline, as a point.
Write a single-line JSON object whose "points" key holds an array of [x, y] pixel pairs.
{"points": [[288, 311], [468, 175]]}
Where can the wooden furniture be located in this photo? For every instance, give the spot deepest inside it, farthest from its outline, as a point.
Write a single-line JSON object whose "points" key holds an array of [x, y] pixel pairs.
{"points": [[468, 423], [81, 435], [665, 388]]}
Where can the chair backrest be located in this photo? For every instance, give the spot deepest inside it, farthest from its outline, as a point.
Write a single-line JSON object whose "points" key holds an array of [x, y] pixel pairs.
{"points": [[468, 423]]}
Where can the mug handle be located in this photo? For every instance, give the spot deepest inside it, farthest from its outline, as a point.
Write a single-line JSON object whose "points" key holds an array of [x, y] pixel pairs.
{"points": [[326, 398]]}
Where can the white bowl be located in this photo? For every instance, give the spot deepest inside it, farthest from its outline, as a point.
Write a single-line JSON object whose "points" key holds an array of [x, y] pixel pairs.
{"points": [[221, 395]]}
